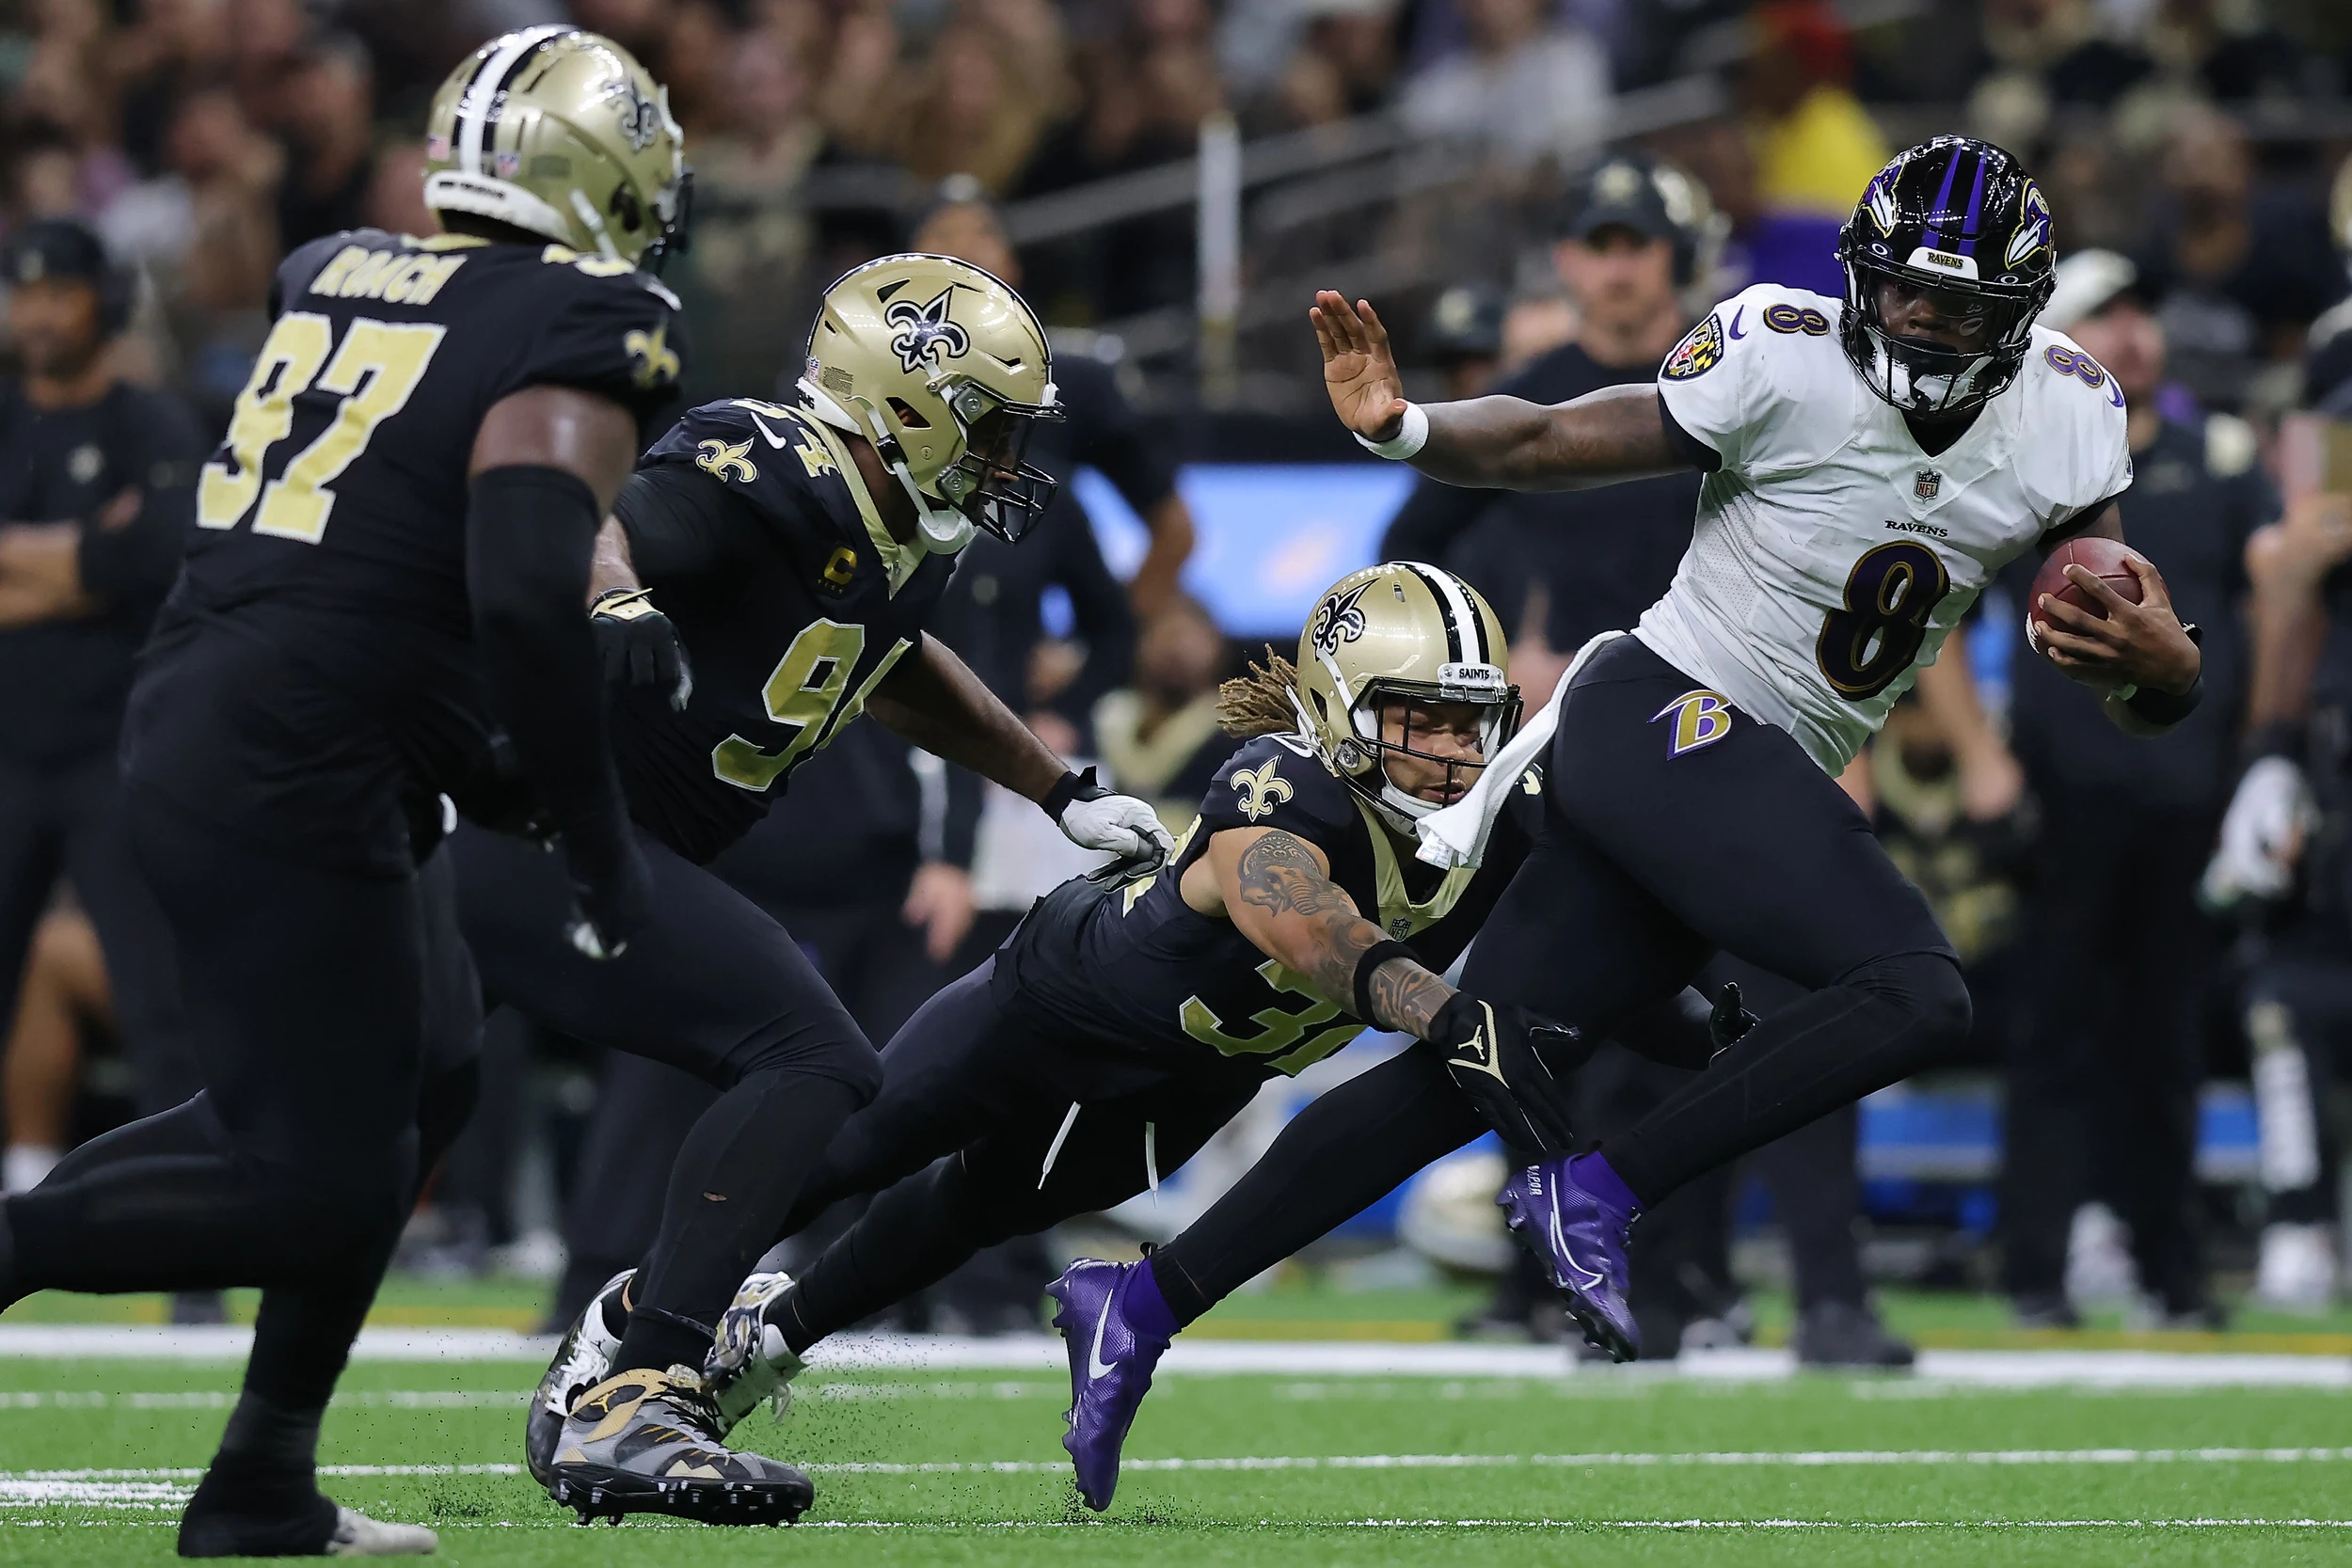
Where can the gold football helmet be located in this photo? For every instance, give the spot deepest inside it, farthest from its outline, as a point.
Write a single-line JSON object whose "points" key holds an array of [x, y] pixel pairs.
{"points": [[1400, 633], [946, 370], [560, 133]]}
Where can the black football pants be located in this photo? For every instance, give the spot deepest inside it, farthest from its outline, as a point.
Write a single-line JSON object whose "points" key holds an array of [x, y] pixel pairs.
{"points": [[971, 1142], [1664, 841], [2102, 1092], [335, 1021], [2298, 1026], [717, 989], [646, 1109]]}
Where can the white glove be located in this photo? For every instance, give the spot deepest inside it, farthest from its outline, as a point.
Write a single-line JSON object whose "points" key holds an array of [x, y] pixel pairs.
{"points": [[1092, 817], [2262, 834]]}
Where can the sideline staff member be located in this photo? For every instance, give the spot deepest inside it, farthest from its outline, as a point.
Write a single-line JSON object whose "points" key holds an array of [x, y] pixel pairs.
{"points": [[97, 486]]}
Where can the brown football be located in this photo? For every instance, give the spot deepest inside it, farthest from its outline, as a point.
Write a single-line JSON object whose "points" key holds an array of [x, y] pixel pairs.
{"points": [[2102, 557]]}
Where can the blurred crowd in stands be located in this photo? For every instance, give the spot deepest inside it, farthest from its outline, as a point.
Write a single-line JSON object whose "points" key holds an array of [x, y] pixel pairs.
{"points": [[1515, 236]]}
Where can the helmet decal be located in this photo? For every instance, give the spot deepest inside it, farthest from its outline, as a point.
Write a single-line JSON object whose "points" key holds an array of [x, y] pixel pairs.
{"points": [[639, 115], [1337, 618], [924, 329]]}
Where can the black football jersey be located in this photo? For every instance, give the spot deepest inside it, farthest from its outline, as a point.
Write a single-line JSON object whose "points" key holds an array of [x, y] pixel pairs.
{"points": [[331, 525], [1134, 966], [748, 522]]}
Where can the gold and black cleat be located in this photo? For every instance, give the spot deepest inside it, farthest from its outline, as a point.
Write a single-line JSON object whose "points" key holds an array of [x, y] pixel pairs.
{"points": [[643, 1443]]}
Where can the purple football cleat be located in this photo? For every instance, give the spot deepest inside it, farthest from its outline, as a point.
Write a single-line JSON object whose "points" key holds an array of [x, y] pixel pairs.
{"points": [[1118, 1328], [1577, 1228]]}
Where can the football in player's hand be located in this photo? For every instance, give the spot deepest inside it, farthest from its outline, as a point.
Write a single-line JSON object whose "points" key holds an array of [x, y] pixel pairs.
{"points": [[2103, 557]]}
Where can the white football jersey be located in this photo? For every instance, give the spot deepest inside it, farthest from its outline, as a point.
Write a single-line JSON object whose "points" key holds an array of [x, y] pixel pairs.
{"points": [[1831, 554]]}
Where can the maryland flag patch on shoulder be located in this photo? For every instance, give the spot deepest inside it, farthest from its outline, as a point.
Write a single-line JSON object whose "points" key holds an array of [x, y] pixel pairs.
{"points": [[1700, 351]]}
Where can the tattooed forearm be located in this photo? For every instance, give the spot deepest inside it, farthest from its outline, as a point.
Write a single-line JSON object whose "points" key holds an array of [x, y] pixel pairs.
{"points": [[1279, 873], [1406, 996]]}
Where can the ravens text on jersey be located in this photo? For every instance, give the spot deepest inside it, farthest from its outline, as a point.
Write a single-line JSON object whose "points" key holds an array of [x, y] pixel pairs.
{"points": [[330, 538], [749, 522]]}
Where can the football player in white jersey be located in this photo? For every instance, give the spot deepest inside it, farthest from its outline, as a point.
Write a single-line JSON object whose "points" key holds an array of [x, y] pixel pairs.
{"points": [[1871, 463]]}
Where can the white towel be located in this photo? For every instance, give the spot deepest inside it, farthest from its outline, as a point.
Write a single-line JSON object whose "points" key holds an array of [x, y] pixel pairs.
{"points": [[1457, 834]]}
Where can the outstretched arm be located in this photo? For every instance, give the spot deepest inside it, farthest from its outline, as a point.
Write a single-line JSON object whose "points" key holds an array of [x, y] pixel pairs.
{"points": [[1618, 433], [933, 699], [1278, 893]]}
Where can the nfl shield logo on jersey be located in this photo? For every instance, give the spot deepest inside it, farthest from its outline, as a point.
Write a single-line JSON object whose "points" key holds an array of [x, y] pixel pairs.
{"points": [[1927, 484]]}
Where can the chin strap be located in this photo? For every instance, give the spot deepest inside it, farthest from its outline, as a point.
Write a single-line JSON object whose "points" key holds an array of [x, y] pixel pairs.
{"points": [[943, 530]]}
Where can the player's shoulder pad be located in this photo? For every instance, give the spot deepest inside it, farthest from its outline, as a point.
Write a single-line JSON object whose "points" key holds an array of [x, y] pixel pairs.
{"points": [[302, 265], [772, 455], [2074, 450], [1276, 781], [1759, 376]]}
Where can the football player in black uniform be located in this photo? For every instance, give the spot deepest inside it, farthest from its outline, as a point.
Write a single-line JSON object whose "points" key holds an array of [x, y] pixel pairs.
{"points": [[1129, 1018], [391, 555], [799, 550]]}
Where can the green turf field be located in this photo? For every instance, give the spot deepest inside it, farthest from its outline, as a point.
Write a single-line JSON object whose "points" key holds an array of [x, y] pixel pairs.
{"points": [[955, 1468]]}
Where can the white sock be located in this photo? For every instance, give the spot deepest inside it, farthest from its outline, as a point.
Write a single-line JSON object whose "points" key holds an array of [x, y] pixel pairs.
{"points": [[24, 1165]]}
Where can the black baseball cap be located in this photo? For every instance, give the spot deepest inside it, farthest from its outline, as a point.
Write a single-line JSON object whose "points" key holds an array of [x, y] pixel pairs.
{"points": [[1466, 322], [1621, 193], [55, 247]]}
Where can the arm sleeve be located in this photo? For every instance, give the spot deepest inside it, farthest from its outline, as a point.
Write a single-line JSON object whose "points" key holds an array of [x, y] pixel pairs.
{"points": [[1103, 618], [529, 534], [679, 521], [134, 564]]}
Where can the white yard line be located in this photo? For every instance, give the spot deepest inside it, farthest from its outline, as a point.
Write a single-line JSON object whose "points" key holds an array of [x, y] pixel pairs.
{"points": [[1044, 1353]]}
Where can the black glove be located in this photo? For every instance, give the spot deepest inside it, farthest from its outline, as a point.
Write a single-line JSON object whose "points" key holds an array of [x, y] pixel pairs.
{"points": [[612, 896], [1730, 1021], [1496, 1054], [639, 645]]}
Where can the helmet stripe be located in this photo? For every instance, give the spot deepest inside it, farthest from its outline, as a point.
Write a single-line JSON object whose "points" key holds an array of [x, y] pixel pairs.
{"points": [[1451, 609], [1952, 170], [481, 93], [1468, 608]]}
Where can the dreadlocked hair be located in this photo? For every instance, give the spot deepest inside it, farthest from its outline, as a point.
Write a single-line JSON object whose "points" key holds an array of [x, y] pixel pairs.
{"points": [[1259, 702]]}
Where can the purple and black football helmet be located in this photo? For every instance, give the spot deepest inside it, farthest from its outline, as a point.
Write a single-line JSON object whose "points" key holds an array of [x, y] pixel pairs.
{"points": [[1961, 217]]}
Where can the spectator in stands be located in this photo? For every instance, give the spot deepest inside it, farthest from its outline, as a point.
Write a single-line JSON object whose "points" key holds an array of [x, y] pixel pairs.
{"points": [[2328, 347], [1815, 148], [329, 100], [97, 486], [2238, 274], [2104, 1078], [1463, 338], [968, 114], [1160, 736], [1522, 87]]}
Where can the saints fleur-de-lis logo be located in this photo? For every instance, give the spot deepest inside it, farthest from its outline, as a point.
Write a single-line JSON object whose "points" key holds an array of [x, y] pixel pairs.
{"points": [[1339, 619], [923, 331], [1260, 791], [657, 361], [721, 459]]}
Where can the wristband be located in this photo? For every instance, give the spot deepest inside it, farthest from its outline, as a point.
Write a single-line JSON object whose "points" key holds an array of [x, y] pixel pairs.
{"points": [[1070, 787], [624, 603], [1405, 442], [2164, 707], [1374, 957]]}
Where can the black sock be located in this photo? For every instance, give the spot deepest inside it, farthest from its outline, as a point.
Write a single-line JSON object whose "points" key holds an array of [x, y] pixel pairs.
{"points": [[742, 1166], [263, 1434]]}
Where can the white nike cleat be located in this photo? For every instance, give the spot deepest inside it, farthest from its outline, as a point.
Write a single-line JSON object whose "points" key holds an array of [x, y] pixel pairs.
{"points": [[582, 1360], [356, 1535], [748, 1360]]}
